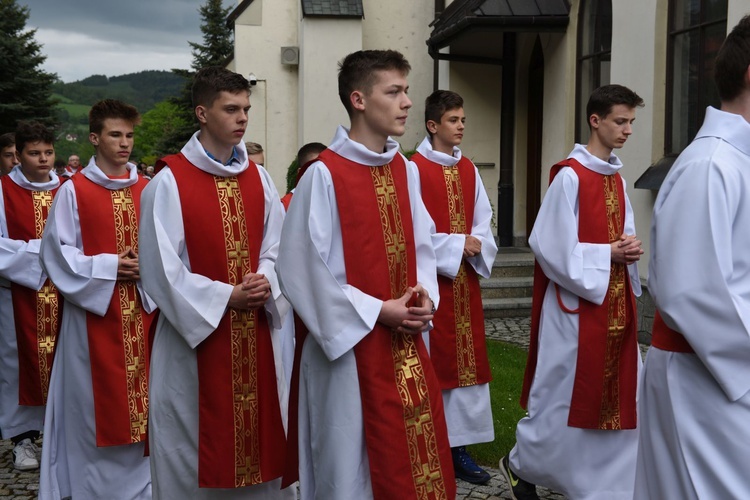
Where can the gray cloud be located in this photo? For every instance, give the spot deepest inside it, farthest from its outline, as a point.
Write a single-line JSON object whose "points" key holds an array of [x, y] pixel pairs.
{"points": [[85, 37]]}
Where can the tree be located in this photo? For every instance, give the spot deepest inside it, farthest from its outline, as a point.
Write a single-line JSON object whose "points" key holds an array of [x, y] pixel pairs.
{"points": [[163, 120], [217, 47], [25, 89], [218, 41]]}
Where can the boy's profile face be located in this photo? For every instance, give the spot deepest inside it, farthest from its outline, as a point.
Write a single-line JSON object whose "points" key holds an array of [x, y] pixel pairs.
{"points": [[7, 159], [37, 159], [114, 143], [450, 131], [386, 106], [613, 129], [225, 120]]}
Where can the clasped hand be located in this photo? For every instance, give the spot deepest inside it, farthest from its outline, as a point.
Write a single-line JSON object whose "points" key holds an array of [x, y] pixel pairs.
{"points": [[626, 250], [127, 266], [251, 293], [404, 317]]}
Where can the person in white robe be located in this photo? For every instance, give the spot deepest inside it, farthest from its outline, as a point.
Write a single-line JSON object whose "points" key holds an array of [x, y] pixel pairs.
{"points": [[468, 412], [577, 462], [695, 403], [19, 263], [192, 306], [329, 399], [72, 464]]}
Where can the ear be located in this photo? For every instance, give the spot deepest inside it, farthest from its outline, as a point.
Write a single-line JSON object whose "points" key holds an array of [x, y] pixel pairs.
{"points": [[200, 112], [94, 139], [431, 126], [594, 121], [357, 100]]}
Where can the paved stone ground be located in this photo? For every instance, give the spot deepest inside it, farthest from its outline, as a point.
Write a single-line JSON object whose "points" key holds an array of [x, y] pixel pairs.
{"points": [[18, 485]]}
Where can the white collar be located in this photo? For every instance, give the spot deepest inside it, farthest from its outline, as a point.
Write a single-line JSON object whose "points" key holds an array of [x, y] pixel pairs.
{"points": [[17, 176], [96, 175], [425, 149], [594, 163], [358, 153], [196, 154]]}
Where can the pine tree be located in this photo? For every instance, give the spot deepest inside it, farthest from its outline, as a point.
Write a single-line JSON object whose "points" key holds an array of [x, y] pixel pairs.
{"points": [[217, 47], [218, 41], [25, 89]]}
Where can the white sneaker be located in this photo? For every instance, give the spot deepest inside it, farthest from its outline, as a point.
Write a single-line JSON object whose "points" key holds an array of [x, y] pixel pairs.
{"points": [[24, 455]]}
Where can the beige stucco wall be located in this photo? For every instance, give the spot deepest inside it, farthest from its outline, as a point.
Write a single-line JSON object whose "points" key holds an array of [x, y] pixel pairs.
{"points": [[273, 116], [481, 142], [323, 43], [404, 26]]}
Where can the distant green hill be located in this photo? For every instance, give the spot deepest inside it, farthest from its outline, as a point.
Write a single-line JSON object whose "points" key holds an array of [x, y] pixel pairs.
{"points": [[143, 90]]}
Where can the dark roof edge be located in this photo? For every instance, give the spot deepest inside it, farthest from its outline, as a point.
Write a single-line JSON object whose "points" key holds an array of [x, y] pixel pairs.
{"points": [[515, 23], [237, 12]]}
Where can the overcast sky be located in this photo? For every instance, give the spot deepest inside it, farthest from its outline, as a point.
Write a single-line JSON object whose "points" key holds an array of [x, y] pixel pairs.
{"points": [[85, 37]]}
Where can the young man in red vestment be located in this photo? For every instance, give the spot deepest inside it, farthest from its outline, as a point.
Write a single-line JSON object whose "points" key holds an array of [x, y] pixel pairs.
{"points": [[305, 156], [357, 264], [97, 410], [465, 248], [29, 309], [211, 224], [580, 435], [7, 153]]}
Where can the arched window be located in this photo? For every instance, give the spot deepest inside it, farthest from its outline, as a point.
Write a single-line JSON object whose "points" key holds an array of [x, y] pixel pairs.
{"points": [[594, 57], [696, 29]]}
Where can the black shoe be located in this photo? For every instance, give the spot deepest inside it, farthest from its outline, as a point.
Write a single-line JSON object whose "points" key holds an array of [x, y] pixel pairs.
{"points": [[519, 489], [466, 469]]}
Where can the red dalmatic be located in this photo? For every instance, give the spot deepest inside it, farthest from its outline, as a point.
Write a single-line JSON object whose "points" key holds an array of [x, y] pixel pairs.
{"points": [[118, 341], [241, 435], [36, 312], [405, 431], [457, 342], [604, 389]]}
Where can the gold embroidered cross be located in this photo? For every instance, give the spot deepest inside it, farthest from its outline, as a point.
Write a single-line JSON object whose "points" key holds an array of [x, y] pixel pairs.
{"points": [[139, 424], [130, 312], [237, 254], [408, 363], [418, 422], [248, 470], [246, 397], [46, 295], [427, 478], [122, 199], [228, 184], [48, 344], [44, 198]]}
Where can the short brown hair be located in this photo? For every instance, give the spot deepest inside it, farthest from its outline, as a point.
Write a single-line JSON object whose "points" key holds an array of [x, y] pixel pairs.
{"points": [[111, 108], [7, 139], [253, 148], [438, 103], [604, 98], [732, 61], [30, 132], [210, 81], [357, 71]]}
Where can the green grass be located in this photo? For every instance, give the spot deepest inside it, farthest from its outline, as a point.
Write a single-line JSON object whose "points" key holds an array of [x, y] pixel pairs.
{"points": [[75, 110], [507, 363]]}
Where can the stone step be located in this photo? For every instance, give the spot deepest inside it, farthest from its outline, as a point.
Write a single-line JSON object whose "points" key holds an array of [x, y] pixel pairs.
{"points": [[513, 262], [507, 287], [507, 307]]}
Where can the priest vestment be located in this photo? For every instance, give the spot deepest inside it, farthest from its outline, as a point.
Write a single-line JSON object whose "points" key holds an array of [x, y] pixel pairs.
{"points": [[694, 403], [454, 194], [581, 463], [29, 305], [191, 434], [325, 281], [94, 429]]}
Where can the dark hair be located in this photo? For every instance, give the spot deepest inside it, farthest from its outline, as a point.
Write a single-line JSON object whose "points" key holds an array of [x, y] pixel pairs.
{"points": [[29, 132], [210, 81], [59, 164], [438, 103], [111, 109], [358, 71], [733, 60], [309, 152], [604, 98], [7, 139]]}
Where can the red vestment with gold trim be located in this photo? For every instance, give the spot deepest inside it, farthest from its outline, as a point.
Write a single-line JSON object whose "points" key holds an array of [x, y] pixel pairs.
{"points": [[36, 313], [405, 430], [605, 384], [241, 435], [118, 341], [457, 342]]}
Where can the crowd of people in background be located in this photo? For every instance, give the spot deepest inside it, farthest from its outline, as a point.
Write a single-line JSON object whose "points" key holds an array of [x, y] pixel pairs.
{"points": [[331, 341]]}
